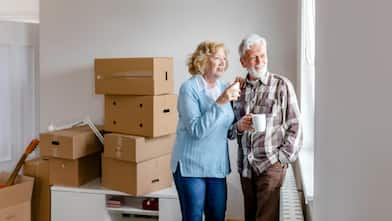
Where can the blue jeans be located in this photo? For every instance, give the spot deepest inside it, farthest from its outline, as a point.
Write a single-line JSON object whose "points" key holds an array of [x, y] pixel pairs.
{"points": [[201, 194]]}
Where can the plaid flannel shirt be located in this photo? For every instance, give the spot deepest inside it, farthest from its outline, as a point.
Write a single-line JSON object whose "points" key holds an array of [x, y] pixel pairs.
{"points": [[274, 96]]}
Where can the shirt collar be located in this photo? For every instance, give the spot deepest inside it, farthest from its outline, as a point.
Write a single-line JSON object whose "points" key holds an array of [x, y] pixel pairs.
{"points": [[263, 79], [203, 83]]}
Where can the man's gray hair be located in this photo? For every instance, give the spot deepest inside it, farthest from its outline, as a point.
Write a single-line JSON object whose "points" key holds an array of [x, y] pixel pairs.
{"points": [[250, 40]]}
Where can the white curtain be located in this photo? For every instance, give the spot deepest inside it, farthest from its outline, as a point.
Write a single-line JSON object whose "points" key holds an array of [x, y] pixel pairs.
{"points": [[17, 90], [308, 72], [306, 158]]}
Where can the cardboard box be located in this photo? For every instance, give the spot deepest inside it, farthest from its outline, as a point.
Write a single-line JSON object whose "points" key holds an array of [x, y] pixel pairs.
{"points": [[137, 178], [134, 76], [15, 200], [74, 173], [137, 149], [148, 116], [40, 207], [72, 143]]}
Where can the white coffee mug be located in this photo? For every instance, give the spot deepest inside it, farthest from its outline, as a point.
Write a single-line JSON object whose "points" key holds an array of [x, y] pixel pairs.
{"points": [[259, 122]]}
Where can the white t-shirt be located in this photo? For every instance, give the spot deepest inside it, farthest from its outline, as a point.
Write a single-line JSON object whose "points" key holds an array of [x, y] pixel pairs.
{"points": [[213, 92]]}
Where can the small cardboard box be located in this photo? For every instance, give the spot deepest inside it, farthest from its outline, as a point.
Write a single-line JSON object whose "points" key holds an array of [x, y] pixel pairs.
{"points": [[15, 200], [39, 169], [74, 173], [137, 178], [148, 116], [134, 76], [137, 149], [72, 143]]}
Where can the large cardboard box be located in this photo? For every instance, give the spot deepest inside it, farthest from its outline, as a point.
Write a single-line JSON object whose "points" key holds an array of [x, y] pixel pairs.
{"points": [[137, 178], [39, 169], [15, 200], [149, 116], [74, 173], [72, 143], [137, 149], [134, 76]]}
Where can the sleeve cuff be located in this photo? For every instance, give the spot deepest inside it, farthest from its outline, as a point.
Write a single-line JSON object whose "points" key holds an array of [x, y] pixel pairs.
{"points": [[239, 133], [283, 158]]}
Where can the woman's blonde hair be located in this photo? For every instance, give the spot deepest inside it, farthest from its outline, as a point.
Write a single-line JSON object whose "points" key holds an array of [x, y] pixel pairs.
{"points": [[198, 61]]}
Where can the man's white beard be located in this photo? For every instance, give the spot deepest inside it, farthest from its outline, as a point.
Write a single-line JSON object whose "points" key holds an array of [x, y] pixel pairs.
{"points": [[258, 74]]}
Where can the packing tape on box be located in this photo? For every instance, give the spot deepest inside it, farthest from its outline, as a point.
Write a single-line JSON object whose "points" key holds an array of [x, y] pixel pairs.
{"points": [[118, 147], [128, 74]]}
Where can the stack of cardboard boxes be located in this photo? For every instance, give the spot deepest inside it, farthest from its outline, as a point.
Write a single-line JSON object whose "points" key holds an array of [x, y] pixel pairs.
{"points": [[74, 156], [69, 157], [141, 114]]}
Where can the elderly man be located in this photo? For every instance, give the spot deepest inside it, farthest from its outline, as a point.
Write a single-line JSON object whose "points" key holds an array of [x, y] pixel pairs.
{"points": [[264, 153]]}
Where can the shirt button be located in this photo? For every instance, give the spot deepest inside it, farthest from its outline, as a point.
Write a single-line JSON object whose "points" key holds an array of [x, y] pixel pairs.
{"points": [[250, 156]]}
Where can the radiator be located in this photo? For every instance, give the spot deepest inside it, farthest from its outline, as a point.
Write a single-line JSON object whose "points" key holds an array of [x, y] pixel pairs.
{"points": [[290, 203]]}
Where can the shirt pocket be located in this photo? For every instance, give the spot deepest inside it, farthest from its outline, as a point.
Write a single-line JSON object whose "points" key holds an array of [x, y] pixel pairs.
{"points": [[271, 109], [266, 107]]}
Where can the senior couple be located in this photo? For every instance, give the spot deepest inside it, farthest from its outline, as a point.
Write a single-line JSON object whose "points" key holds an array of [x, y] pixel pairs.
{"points": [[210, 113]]}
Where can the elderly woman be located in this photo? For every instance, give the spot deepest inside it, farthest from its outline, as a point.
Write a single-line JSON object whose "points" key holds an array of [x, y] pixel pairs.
{"points": [[200, 160]]}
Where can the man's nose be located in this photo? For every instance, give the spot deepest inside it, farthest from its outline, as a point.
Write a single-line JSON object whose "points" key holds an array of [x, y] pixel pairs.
{"points": [[259, 60]]}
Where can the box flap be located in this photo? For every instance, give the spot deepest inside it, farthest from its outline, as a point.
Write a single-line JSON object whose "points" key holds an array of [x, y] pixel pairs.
{"points": [[19, 212], [16, 194]]}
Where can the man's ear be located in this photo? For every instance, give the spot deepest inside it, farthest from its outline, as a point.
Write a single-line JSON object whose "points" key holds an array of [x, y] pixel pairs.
{"points": [[242, 60]]}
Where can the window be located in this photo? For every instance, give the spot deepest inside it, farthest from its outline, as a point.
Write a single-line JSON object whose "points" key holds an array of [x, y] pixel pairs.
{"points": [[307, 94], [18, 112]]}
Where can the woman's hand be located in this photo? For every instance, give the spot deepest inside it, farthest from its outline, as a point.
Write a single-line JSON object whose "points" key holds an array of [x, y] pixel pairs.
{"points": [[241, 80], [231, 93]]}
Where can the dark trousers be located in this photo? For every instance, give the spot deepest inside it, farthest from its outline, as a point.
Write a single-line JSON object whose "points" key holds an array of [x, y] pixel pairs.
{"points": [[200, 195], [262, 193]]}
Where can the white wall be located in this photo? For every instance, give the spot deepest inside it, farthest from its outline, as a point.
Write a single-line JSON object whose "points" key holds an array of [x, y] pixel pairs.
{"points": [[353, 107], [73, 33]]}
